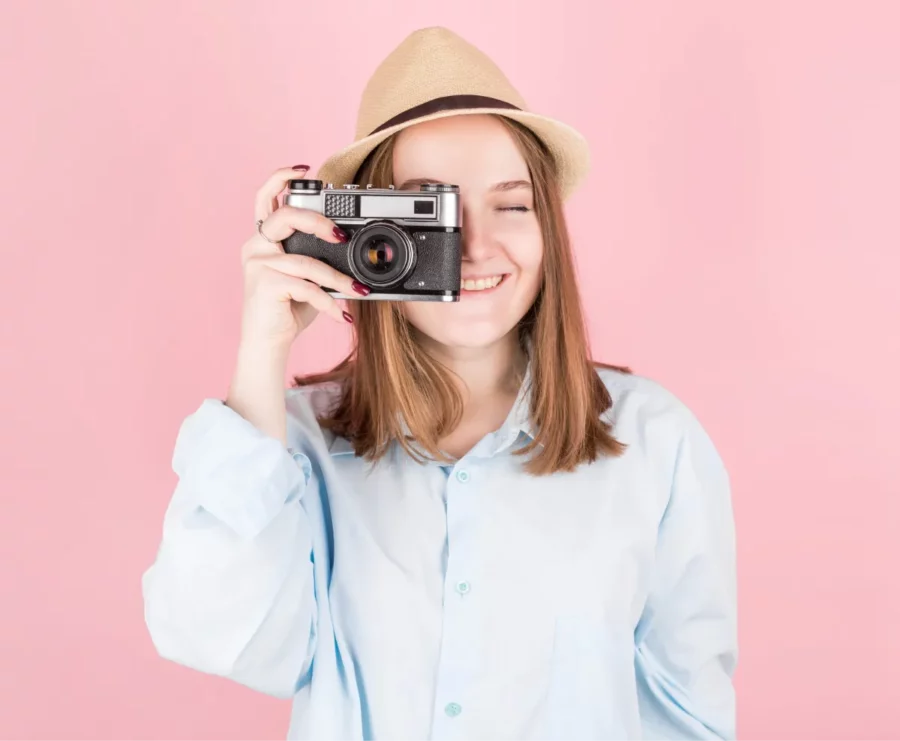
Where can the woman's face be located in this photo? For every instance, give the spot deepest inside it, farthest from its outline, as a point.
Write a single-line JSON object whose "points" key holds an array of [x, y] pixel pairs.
{"points": [[502, 244]]}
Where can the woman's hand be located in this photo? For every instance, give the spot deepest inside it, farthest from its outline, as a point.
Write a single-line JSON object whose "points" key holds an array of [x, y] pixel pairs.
{"points": [[282, 293]]}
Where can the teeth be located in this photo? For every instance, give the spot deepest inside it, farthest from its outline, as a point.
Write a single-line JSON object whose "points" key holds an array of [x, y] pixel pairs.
{"points": [[481, 283]]}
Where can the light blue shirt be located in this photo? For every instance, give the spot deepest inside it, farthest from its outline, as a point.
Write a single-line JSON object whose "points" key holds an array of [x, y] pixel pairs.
{"points": [[472, 601]]}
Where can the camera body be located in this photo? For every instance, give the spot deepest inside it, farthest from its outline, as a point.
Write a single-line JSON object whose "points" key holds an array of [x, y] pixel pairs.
{"points": [[405, 245]]}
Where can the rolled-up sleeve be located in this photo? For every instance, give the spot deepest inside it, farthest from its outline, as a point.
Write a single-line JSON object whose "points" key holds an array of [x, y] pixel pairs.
{"points": [[231, 591], [686, 639]]}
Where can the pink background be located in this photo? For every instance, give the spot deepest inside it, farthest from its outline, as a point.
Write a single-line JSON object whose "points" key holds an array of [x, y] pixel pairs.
{"points": [[737, 240]]}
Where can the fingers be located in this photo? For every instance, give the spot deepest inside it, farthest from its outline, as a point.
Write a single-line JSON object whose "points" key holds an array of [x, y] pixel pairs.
{"points": [[284, 222], [291, 288], [267, 196], [304, 266], [289, 219]]}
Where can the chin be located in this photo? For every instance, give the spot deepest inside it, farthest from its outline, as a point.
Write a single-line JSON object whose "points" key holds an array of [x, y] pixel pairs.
{"points": [[468, 339], [464, 325], [467, 335]]}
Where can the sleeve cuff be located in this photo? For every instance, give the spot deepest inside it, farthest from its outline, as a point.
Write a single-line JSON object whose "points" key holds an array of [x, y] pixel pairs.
{"points": [[235, 472]]}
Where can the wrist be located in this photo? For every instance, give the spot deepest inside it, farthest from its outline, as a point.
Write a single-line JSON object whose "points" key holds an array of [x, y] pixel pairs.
{"points": [[255, 353], [259, 369]]}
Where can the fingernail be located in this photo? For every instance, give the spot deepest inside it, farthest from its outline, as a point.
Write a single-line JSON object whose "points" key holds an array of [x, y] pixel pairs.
{"points": [[340, 234], [348, 318], [361, 289], [300, 167]]}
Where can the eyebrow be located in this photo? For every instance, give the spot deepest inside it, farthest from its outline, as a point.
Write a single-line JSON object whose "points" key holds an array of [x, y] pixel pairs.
{"points": [[501, 187]]}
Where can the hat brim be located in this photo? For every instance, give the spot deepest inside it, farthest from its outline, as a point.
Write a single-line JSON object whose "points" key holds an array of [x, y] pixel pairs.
{"points": [[568, 147]]}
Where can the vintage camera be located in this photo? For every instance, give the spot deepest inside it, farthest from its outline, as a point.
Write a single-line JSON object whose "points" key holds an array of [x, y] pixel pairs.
{"points": [[404, 244]]}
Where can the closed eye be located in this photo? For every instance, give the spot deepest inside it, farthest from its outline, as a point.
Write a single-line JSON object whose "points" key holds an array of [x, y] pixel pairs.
{"points": [[521, 209]]}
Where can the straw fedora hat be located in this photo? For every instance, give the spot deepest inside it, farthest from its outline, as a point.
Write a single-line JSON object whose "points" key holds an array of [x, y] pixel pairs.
{"points": [[434, 73]]}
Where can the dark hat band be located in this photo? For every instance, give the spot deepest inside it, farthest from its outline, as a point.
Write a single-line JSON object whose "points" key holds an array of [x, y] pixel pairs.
{"points": [[447, 103]]}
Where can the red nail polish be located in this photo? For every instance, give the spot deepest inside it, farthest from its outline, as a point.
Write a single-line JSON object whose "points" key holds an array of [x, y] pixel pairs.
{"points": [[348, 318], [300, 167], [361, 289], [340, 234]]}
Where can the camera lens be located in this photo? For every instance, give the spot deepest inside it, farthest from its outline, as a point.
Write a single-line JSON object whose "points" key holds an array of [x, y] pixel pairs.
{"points": [[381, 254]]}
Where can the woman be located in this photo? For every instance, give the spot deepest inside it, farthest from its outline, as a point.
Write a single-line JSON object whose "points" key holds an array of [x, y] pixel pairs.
{"points": [[466, 529]]}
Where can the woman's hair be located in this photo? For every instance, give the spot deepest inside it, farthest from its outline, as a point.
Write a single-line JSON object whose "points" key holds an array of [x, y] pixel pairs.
{"points": [[389, 380]]}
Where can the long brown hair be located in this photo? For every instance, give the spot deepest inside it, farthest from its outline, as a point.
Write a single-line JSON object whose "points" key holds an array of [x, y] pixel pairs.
{"points": [[388, 379]]}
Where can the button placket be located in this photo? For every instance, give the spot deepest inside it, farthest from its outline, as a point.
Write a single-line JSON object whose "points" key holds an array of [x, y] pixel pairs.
{"points": [[462, 587], [457, 665]]}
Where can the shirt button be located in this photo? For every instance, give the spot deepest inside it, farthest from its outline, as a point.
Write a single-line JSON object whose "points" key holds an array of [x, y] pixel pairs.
{"points": [[462, 587], [452, 709], [462, 476]]}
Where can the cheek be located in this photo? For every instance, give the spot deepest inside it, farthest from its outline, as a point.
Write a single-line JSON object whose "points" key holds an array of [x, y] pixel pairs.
{"points": [[528, 256], [534, 258], [523, 243], [529, 259]]}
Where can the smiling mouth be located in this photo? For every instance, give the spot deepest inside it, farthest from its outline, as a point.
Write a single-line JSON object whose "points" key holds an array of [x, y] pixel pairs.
{"points": [[482, 284]]}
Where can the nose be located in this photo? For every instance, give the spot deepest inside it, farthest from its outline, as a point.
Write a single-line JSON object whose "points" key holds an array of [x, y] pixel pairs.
{"points": [[476, 243]]}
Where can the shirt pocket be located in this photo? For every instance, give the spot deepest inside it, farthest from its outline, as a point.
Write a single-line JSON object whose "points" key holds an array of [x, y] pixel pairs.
{"points": [[591, 692]]}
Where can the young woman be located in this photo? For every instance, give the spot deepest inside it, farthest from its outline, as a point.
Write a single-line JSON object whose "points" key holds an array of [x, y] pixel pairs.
{"points": [[467, 529]]}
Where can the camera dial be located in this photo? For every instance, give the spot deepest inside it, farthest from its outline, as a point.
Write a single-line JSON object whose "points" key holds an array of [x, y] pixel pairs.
{"points": [[438, 188]]}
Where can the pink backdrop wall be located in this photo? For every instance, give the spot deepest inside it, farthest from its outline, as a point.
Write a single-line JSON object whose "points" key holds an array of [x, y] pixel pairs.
{"points": [[737, 240]]}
